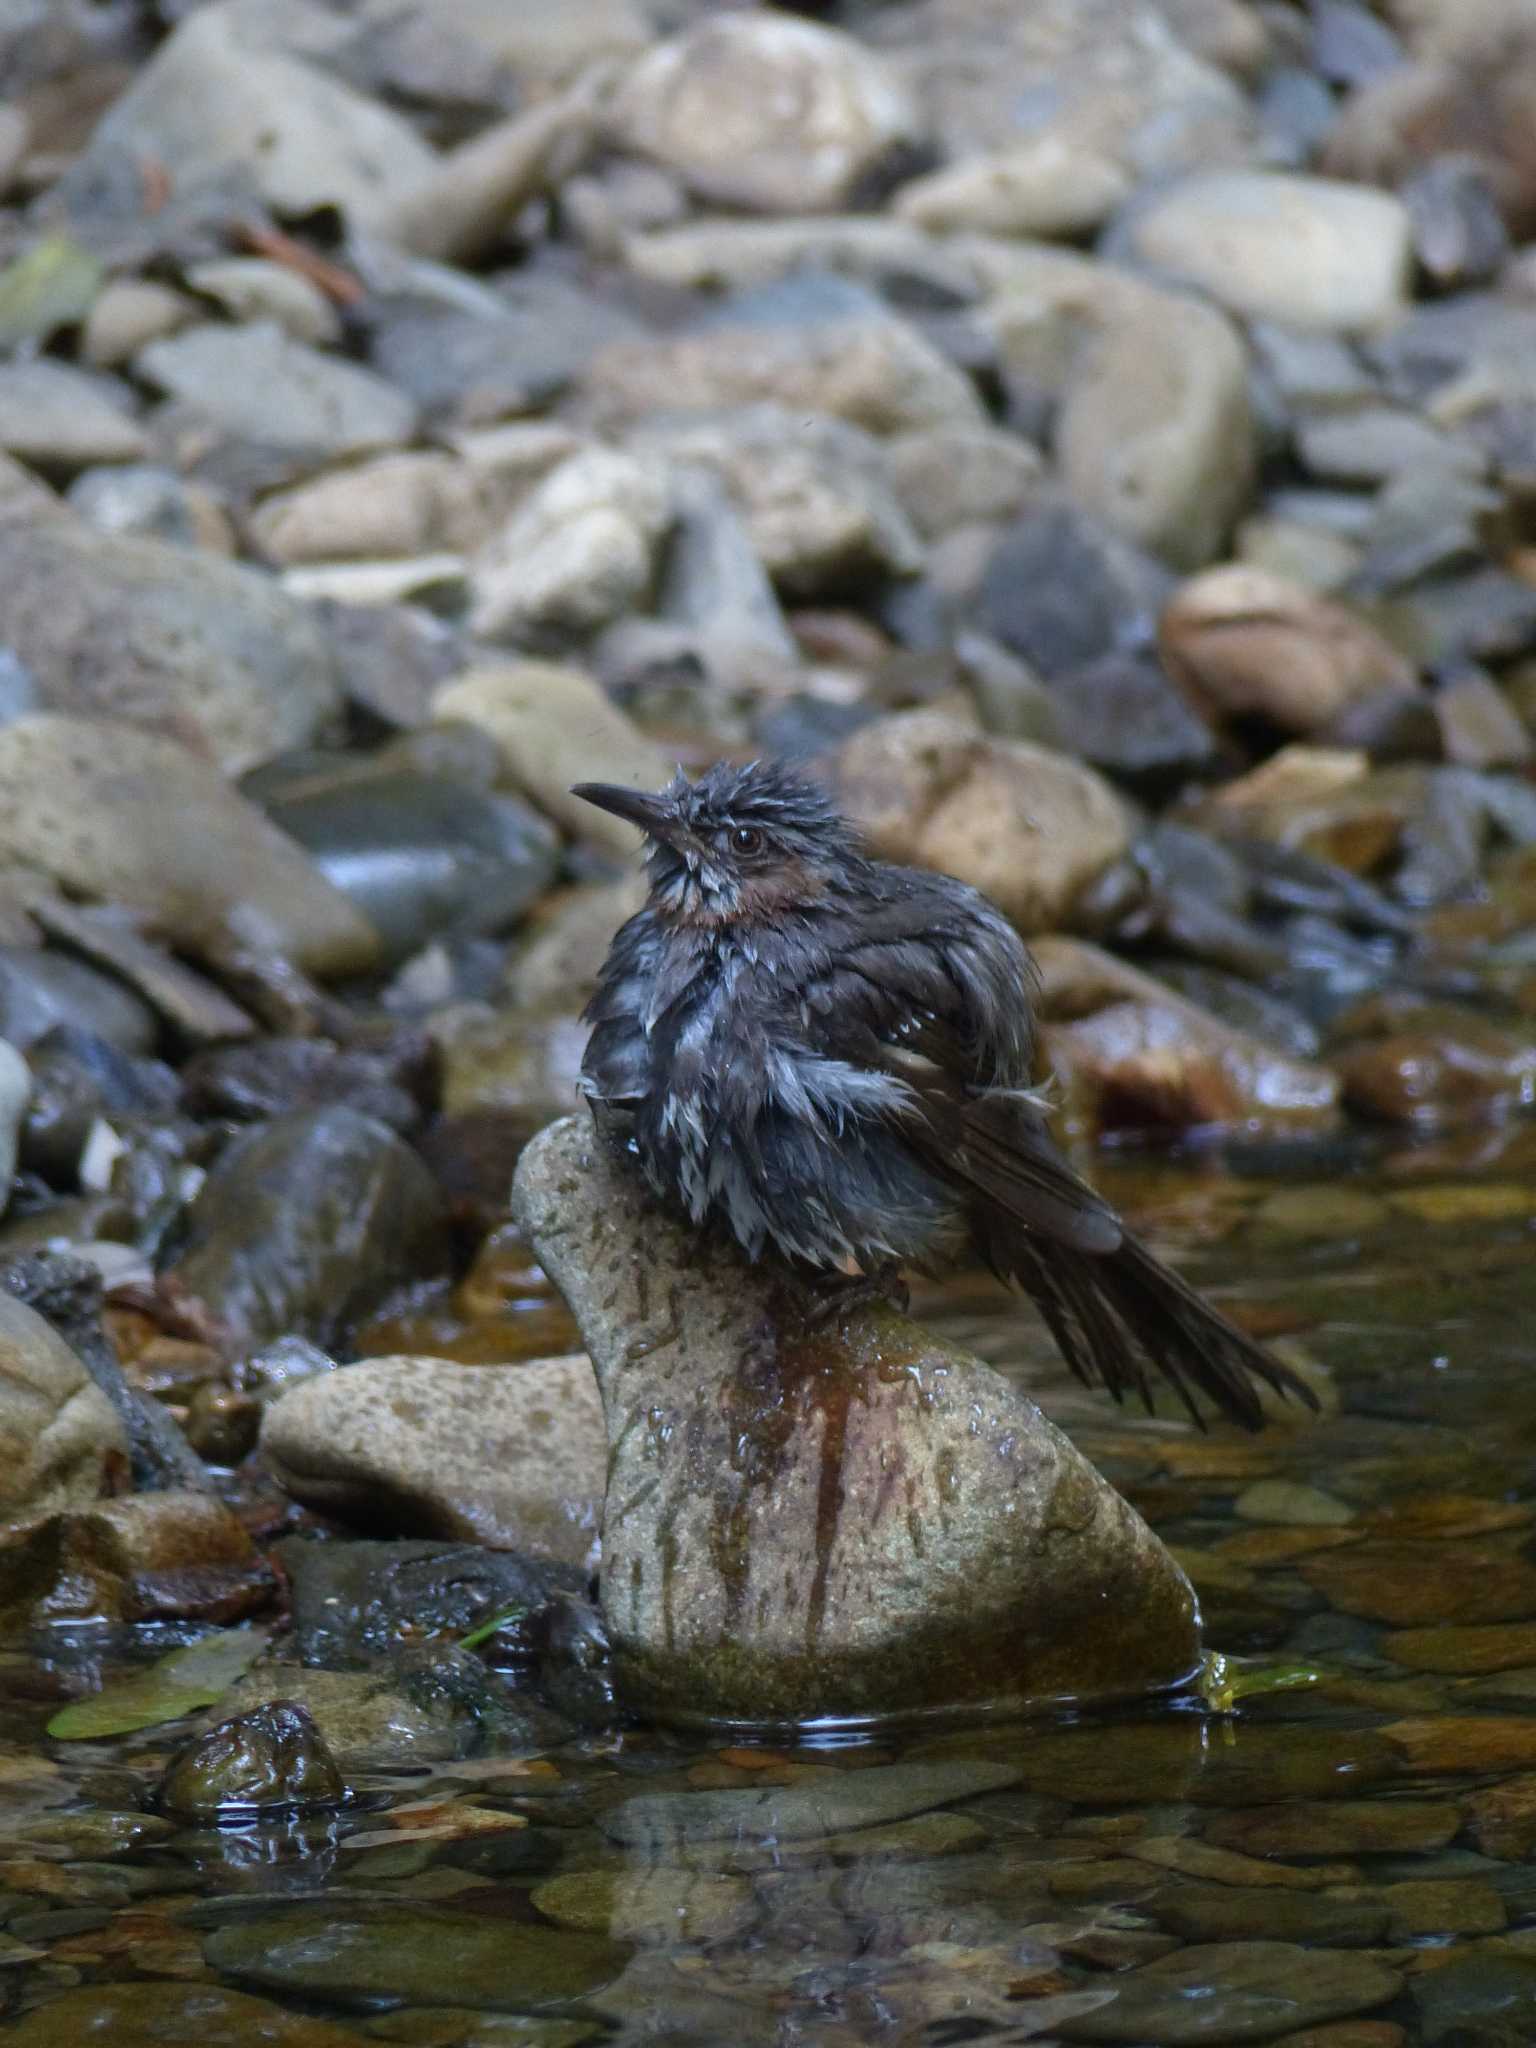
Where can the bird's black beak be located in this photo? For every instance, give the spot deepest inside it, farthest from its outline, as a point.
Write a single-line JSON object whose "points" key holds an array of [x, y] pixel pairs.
{"points": [[653, 814]]}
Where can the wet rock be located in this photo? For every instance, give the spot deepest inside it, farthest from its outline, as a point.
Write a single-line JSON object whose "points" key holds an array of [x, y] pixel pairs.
{"points": [[1205, 1913], [250, 1083], [511, 1457], [414, 1954], [224, 93], [518, 1069], [146, 1557], [61, 420], [1502, 1817], [422, 856], [272, 1758], [1132, 1054], [581, 549], [786, 1581], [1245, 1991], [110, 811], [1443, 1906], [1465, 1652], [1477, 1997], [160, 2013], [307, 1223], [566, 945], [1059, 591], [368, 1720], [765, 114], [1312, 252], [257, 384], [855, 361], [1029, 827], [1472, 1069], [353, 1601], [61, 1438], [554, 726], [135, 629], [1244, 643], [814, 493]]}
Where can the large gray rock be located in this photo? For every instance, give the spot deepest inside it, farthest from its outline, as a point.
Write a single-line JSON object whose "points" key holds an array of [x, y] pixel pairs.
{"points": [[58, 1435], [863, 1520], [223, 93], [112, 812], [158, 635]]}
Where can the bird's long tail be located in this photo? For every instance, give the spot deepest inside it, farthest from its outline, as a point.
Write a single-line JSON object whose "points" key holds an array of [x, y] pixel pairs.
{"points": [[1117, 1314]]}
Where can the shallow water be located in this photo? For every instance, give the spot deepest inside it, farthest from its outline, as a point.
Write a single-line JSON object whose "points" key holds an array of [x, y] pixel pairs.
{"points": [[1336, 1846]]}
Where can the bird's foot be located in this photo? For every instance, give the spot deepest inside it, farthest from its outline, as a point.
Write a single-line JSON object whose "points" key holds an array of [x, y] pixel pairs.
{"points": [[833, 1294]]}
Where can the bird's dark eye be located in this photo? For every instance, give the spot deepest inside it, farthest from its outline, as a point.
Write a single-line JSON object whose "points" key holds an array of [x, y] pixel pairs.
{"points": [[745, 839]]}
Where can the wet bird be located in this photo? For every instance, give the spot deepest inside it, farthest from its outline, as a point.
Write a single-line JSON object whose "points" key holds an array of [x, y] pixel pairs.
{"points": [[830, 1057]]}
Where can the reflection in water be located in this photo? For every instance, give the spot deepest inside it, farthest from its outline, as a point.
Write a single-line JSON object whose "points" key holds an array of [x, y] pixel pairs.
{"points": [[1350, 1847]]}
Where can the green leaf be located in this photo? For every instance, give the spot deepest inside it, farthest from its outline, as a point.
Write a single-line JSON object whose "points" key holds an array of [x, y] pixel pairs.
{"points": [[53, 285], [487, 1629], [176, 1684], [1225, 1681]]}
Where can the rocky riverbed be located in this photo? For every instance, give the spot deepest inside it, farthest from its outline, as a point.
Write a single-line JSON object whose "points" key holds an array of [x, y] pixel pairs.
{"points": [[1096, 437]]}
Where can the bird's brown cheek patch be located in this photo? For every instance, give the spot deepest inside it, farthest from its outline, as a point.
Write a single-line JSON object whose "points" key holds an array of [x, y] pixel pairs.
{"points": [[790, 885]]}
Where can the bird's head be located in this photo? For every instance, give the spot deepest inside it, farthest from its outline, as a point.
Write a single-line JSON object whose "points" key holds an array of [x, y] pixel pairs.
{"points": [[738, 843]]}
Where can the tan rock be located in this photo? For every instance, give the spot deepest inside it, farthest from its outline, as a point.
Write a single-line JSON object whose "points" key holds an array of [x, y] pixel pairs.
{"points": [[1040, 187], [140, 1558], [112, 812], [555, 726], [511, 1456], [129, 313], [729, 1586], [60, 1438], [1028, 827], [949, 477], [1244, 643]]}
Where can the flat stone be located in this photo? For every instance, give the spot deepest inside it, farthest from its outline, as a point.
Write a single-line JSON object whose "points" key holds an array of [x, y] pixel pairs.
{"points": [[114, 627], [113, 812], [1407, 1584], [1235, 1991], [730, 1588], [60, 420], [648, 1905], [1464, 1652], [1289, 1501], [509, 1456], [1191, 1858], [258, 384], [1308, 252], [1342, 1827], [415, 1953], [368, 1719], [255, 288], [1438, 1907], [1464, 1745], [59, 1436], [1502, 1818], [957, 476], [1215, 1912], [831, 1802], [161, 2013], [1040, 187]]}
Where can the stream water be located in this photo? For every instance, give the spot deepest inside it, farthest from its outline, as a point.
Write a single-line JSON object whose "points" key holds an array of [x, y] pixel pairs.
{"points": [[1336, 1846]]}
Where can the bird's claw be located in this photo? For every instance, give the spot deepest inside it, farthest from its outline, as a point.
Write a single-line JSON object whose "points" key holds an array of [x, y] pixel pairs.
{"points": [[834, 1294]]}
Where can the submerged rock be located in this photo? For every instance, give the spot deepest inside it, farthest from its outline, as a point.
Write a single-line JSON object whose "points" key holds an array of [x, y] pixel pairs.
{"points": [[145, 1557], [274, 1757], [307, 1223], [860, 1521], [160, 2013]]}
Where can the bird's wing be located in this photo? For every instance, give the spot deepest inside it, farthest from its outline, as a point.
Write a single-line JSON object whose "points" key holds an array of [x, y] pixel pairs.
{"points": [[936, 991]]}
